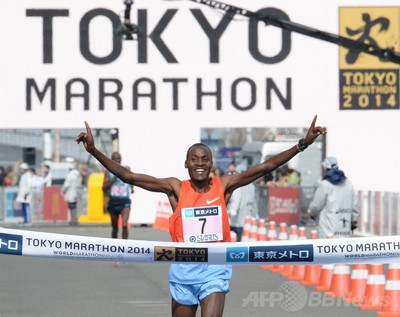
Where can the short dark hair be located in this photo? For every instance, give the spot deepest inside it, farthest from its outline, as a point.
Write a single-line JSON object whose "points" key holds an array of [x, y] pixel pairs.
{"points": [[197, 145]]}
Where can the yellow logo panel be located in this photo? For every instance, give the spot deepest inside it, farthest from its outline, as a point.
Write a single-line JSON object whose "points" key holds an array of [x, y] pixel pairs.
{"points": [[372, 26], [366, 82]]}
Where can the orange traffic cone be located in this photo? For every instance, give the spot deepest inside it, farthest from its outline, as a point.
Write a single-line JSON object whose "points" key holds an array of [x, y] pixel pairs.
{"points": [[340, 283], [374, 290], [299, 269], [281, 236], [166, 214], [391, 302], [246, 229], [313, 271], [157, 221], [325, 277], [293, 235], [358, 281], [262, 231], [271, 236], [282, 231], [253, 230]]}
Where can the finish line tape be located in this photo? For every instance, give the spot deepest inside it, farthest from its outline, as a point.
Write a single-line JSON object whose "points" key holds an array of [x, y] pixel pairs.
{"points": [[314, 251]]}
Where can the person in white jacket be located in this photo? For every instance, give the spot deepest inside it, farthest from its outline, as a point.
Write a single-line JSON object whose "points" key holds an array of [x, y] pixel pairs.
{"points": [[242, 204], [335, 202], [24, 192], [70, 191]]}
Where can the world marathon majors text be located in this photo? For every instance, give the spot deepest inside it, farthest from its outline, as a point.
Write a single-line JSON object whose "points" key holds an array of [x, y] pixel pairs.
{"points": [[81, 246], [111, 97]]}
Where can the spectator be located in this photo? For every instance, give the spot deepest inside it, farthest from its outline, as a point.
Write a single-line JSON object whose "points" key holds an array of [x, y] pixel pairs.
{"points": [[70, 191], [47, 177], [24, 192], [241, 204], [335, 203], [3, 175], [282, 175], [8, 179], [12, 176], [217, 172], [293, 178], [84, 175], [37, 183], [231, 169]]}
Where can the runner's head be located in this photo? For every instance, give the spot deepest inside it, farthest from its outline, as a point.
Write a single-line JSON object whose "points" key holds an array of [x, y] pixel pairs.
{"points": [[116, 157], [199, 161]]}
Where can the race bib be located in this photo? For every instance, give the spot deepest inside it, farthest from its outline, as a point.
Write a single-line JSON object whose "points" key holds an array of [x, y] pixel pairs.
{"points": [[202, 224], [118, 191]]}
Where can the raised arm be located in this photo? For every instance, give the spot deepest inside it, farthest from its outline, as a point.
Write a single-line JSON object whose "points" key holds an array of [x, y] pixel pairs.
{"points": [[169, 186], [232, 182]]}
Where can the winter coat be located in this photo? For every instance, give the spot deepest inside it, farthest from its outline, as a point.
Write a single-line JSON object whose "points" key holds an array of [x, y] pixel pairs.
{"points": [[335, 203]]}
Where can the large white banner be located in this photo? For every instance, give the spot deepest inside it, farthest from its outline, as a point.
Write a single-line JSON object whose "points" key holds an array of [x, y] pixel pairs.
{"points": [[193, 67], [313, 251]]}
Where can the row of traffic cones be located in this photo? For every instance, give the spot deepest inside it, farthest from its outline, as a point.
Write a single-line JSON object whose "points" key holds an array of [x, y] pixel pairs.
{"points": [[164, 211], [361, 284]]}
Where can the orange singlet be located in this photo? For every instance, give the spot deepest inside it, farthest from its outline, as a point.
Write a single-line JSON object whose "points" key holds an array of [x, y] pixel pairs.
{"points": [[200, 217]]}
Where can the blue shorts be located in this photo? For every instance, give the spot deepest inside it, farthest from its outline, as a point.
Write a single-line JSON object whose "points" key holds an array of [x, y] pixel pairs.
{"points": [[193, 294], [115, 206]]}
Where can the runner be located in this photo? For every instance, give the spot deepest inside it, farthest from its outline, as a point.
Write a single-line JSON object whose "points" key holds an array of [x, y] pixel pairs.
{"points": [[119, 204], [198, 284]]}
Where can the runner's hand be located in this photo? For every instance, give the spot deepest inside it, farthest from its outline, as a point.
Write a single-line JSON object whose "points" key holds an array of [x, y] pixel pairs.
{"points": [[313, 132], [86, 139]]}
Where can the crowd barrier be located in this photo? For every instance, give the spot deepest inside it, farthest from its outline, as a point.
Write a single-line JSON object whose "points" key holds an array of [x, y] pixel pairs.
{"points": [[46, 205], [379, 211]]}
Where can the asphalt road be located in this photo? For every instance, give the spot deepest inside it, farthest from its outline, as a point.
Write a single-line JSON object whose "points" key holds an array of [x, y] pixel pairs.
{"points": [[37, 287]]}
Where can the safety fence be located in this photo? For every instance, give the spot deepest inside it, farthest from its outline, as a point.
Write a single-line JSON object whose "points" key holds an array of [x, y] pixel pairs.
{"points": [[46, 205], [379, 213]]}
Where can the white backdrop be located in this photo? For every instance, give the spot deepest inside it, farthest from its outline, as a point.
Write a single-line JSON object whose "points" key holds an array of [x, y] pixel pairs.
{"points": [[155, 141]]}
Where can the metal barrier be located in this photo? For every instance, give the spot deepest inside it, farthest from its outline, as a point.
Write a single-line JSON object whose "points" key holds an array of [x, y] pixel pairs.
{"points": [[379, 213], [46, 205]]}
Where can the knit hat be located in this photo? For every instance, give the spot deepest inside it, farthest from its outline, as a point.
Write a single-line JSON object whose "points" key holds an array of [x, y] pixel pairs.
{"points": [[330, 162]]}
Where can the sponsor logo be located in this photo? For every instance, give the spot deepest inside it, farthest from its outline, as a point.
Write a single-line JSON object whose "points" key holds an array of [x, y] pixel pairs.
{"points": [[206, 211], [237, 254], [282, 254], [164, 253], [366, 82], [212, 200], [189, 213], [10, 244], [176, 254], [205, 238]]}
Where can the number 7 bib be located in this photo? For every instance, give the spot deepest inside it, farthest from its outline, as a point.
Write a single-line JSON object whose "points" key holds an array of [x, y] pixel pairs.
{"points": [[202, 224]]}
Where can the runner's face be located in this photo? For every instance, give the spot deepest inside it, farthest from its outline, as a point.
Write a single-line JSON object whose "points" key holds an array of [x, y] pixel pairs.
{"points": [[199, 163]]}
